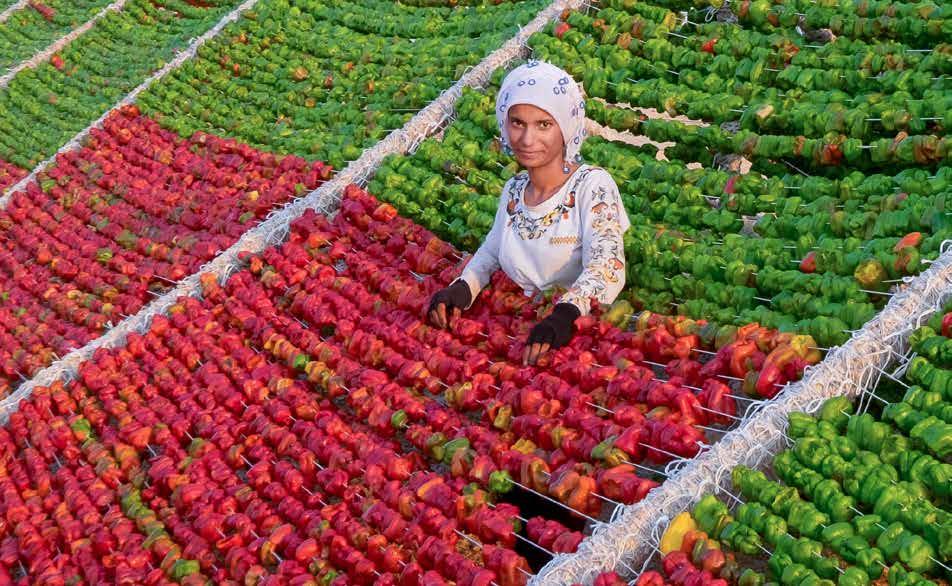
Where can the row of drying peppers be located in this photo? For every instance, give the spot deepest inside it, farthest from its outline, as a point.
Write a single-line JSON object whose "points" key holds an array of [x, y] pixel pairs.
{"points": [[112, 224], [862, 498], [302, 423]]}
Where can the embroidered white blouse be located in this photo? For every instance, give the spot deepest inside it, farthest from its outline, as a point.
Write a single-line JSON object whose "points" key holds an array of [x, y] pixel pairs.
{"points": [[572, 240]]}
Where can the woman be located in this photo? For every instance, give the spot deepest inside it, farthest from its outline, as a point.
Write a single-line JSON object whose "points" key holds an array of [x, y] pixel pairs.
{"points": [[559, 224]]}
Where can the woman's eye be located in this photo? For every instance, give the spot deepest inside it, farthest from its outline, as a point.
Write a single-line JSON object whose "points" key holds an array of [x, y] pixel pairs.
{"points": [[545, 124]]}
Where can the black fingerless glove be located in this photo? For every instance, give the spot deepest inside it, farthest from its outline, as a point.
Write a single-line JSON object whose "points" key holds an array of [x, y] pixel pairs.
{"points": [[457, 295], [558, 328]]}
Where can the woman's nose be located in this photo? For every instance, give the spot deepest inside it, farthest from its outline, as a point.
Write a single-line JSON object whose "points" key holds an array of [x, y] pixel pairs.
{"points": [[526, 137]]}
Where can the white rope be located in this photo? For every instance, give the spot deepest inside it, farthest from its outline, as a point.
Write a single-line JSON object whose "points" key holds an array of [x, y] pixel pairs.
{"points": [[275, 228], [627, 137], [132, 96], [56, 46], [15, 7], [847, 370]]}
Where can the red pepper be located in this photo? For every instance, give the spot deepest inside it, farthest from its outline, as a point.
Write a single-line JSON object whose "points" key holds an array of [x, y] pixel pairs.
{"points": [[741, 355], [716, 397], [911, 240], [772, 372], [630, 441], [947, 325], [708, 47], [621, 483], [649, 578], [609, 579], [808, 264]]}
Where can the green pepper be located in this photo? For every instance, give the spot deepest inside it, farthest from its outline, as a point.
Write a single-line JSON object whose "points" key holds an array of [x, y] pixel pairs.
{"points": [[774, 527], [793, 574], [935, 434], [708, 512], [785, 544], [811, 451], [841, 507], [800, 425], [804, 550], [844, 447], [853, 576], [826, 567], [299, 361], [917, 337], [916, 553], [753, 515], [837, 411], [500, 482], [768, 492], [904, 415], [834, 534], [784, 501], [893, 502], [879, 480], [741, 538], [851, 546], [399, 419], [868, 526], [603, 449], [434, 444], [889, 541], [897, 445], [823, 491], [750, 577], [871, 560], [182, 568], [827, 431], [897, 574], [940, 536], [806, 519], [785, 464], [81, 428], [778, 563]]}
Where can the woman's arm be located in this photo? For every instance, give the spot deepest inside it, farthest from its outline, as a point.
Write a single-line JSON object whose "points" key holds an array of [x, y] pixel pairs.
{"points": [[461, 293], [604, 222]]}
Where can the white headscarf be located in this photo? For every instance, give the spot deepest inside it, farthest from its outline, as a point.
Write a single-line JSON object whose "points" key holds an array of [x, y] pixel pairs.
{"points": [[545, 86]]}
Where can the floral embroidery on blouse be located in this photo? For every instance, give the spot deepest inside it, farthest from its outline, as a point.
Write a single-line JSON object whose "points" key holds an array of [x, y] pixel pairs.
{"points": [[525, 225], [541, 257], [606, 256]]}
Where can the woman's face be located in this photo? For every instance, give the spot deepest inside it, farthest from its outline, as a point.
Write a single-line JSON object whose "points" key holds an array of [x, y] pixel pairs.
{"points": [[535, 136]]}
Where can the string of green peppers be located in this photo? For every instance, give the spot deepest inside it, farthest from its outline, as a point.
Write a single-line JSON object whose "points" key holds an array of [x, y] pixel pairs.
{"points": [[701, 75], [789, 511], [736, 42], [865, 9], [875, 481], [929, 343]]}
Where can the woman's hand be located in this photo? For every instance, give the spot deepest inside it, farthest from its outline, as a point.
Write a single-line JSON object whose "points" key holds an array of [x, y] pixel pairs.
{"points": [[554, 331], [449, 302]]}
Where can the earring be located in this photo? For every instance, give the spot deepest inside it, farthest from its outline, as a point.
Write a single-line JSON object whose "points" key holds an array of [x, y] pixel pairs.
{"points": [[565, 168]]}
